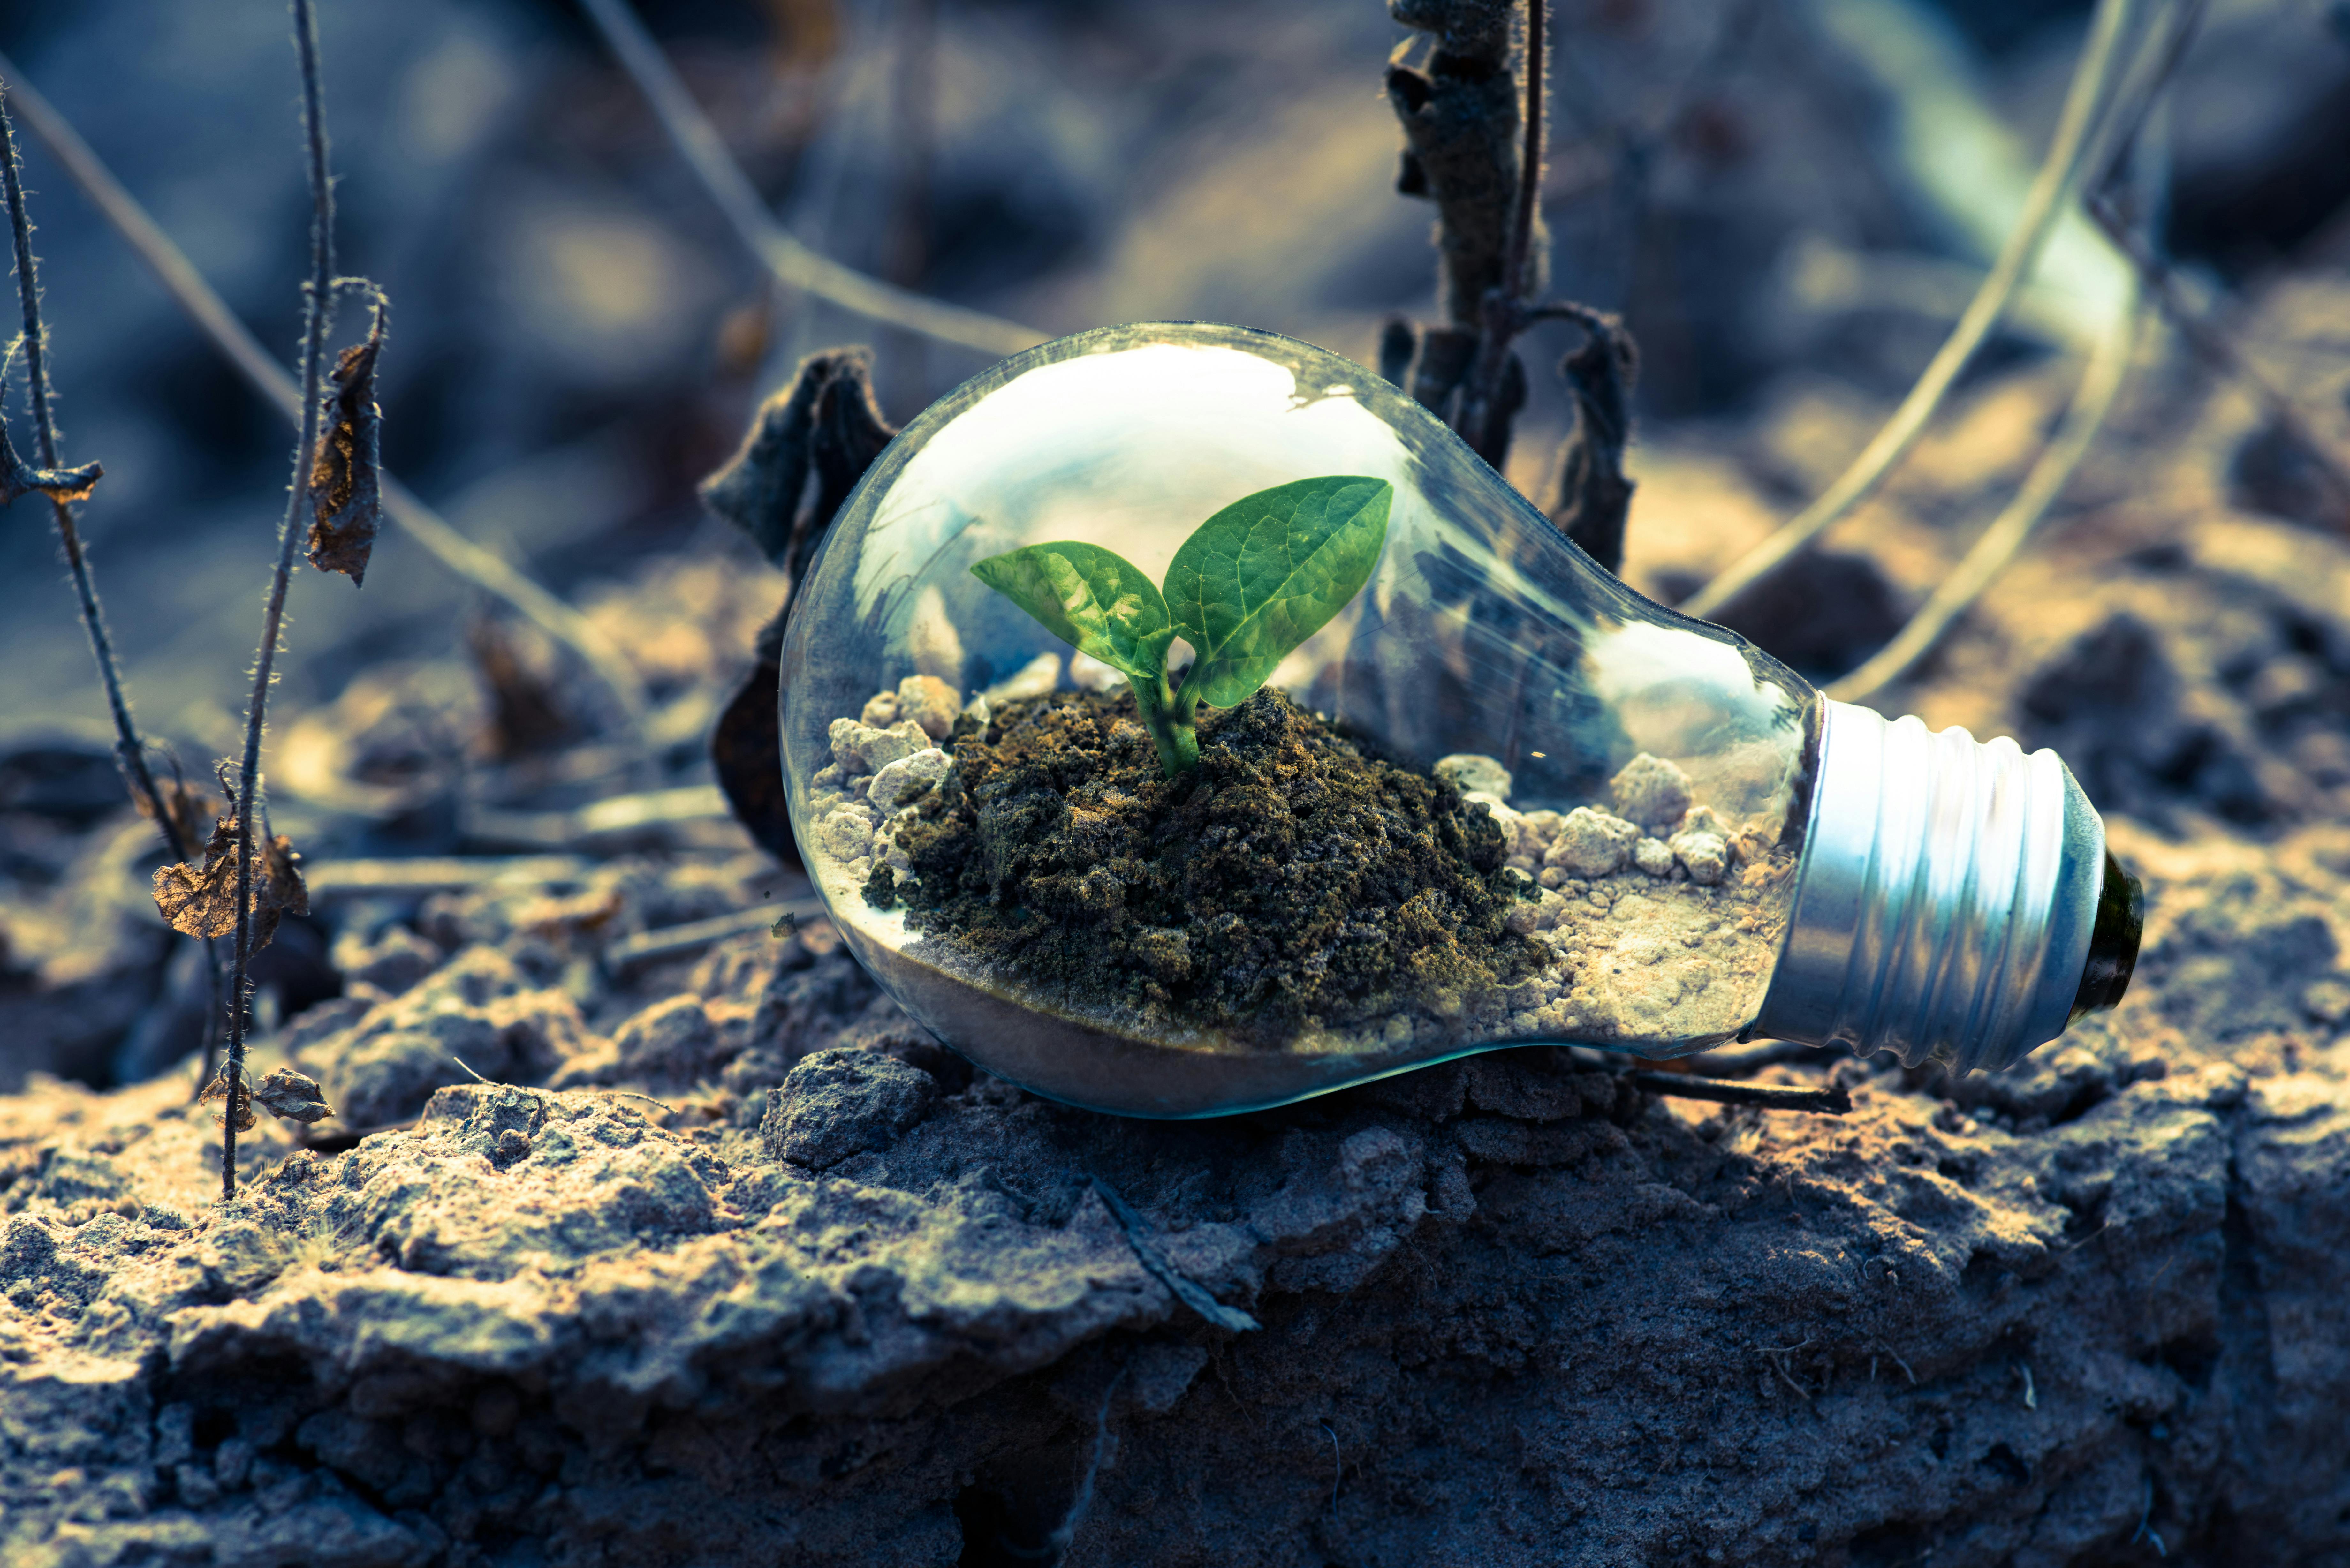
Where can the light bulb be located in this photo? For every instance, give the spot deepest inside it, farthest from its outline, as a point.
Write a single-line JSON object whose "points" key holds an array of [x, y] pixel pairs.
{"points": [[1688, 844]]}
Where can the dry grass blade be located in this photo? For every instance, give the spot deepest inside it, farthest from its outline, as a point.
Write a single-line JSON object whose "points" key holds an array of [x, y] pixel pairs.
{"points": [[486, 570], [2070, 152], [792, 262], [130, 753], [1999, 542]]}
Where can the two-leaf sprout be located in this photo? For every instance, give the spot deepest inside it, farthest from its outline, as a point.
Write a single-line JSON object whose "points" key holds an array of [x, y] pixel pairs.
{"points": [[1251, 583]]}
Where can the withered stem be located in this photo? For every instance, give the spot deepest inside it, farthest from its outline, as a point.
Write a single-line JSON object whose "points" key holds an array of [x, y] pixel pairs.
{"points": [[130, 750], [1834, 1101], [317, 307]]}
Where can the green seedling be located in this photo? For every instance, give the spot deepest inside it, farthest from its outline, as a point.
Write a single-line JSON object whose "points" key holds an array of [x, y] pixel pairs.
{"points": [[1251, 583]]}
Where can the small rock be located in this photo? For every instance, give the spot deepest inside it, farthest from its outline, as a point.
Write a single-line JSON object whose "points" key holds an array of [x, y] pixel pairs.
{"points": [[891, 853], [1504, 818], [1651, 791], [882, 710], [1706, 855], [1092, 675], [1653, 855], [862, 749], [1033, 679], [1703, 820], [674, 1039], [1472, 774], [1590, 844], [394, 962], [930, 702], [843, 1101], [910, 778], [845, 834]]}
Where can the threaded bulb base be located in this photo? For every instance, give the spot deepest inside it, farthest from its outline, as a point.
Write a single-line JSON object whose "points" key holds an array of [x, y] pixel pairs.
{"points": [[1949, 901]]}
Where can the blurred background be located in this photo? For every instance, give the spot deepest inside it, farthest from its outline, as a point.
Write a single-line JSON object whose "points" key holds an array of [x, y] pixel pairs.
{"points": [[1790, 203], [1787, 203]]}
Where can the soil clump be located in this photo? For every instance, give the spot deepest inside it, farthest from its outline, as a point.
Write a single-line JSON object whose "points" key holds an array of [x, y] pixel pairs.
{"points": [[1295, 880], [1297, 891]]}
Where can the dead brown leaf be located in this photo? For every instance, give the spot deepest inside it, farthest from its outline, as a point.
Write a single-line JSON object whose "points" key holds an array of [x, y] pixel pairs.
{"points": [[346, 484], [233, 1089], [203, 902], [292, 1096]]}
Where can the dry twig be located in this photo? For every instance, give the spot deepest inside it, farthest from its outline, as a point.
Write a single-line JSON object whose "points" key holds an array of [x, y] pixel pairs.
{"points": [[2070, 153], [1832, 1101], [676, 941], [486, 570], [130, 750], [793, 264], [317, 311], [2008, 533]]}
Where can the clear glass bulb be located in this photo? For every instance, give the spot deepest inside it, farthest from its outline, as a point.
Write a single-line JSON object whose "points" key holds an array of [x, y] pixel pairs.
{"points": [[1652, 782]]}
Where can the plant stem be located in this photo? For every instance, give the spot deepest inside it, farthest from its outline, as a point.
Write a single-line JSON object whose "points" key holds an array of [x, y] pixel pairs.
{"points": [[793, 264], [2086, 101], [1171, 722], [1832, 1101], [317, 306], [129, 751]]}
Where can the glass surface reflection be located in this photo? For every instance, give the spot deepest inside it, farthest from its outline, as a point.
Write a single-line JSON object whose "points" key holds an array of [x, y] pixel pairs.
{"points": [[1648, 920]]}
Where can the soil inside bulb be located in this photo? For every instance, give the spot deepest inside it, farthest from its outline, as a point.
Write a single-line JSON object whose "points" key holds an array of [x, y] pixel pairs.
{"points": [[1296, 891]]}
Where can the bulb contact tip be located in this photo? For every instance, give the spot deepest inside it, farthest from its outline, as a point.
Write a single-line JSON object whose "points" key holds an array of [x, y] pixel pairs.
{"points": [[2113, 941]]}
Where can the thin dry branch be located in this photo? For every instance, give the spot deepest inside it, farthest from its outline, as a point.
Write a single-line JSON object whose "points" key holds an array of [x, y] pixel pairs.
{"points": [[1834, 1101], [792, 264], [130, 750], [2092, 400], [2061, 174], [483, 568], [318, 312]]}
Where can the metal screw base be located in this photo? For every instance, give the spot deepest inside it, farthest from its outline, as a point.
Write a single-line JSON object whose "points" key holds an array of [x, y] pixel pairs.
{"points": [[1947, 894]]}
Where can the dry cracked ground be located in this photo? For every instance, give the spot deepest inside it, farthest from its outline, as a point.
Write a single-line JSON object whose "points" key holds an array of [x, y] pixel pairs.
{"points": [[844, 1301]]}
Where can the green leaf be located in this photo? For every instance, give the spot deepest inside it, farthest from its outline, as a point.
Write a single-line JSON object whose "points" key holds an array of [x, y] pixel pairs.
{"points": [[1268, 572], [1096, 600]]}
